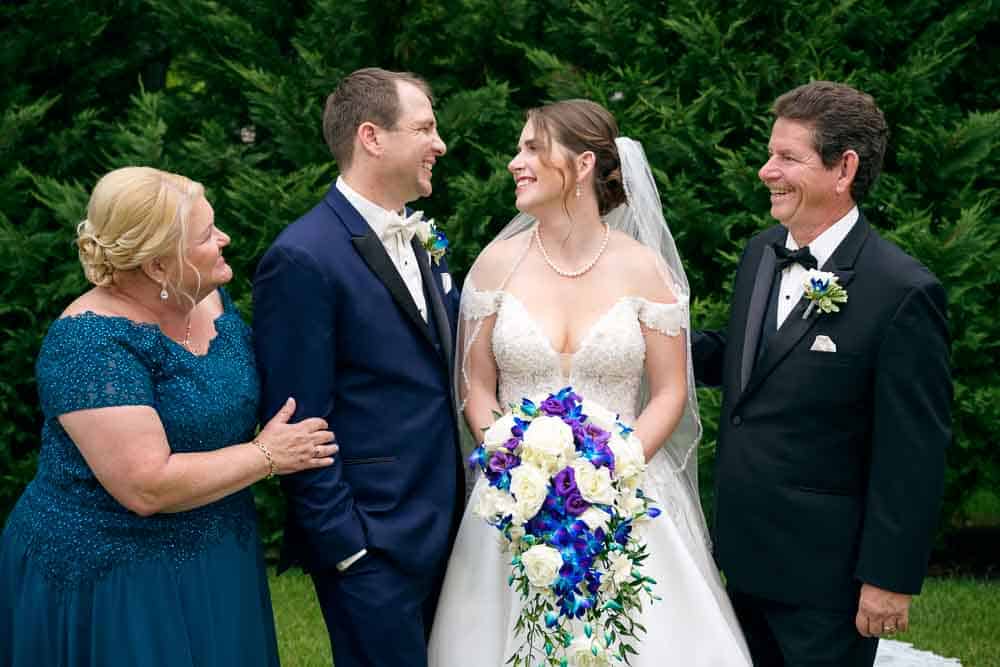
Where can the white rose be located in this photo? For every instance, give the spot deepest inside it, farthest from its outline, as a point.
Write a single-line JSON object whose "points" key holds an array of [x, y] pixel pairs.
{"points": [[581, 653], [423, 230], [494, 504], [600, 416], [629, 504], [499, 433], [548, 443], [630, 460], [541, 564], [595, 518], [620, 571], [529, 485], [594, 483]]}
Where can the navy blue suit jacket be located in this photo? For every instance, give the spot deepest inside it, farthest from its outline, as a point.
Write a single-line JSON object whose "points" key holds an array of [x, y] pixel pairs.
{"points": [[336, 328], [830, 465]]}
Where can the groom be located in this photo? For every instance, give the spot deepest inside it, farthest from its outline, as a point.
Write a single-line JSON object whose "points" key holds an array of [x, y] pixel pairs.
{"points": [[830, 459], [354, 319]]}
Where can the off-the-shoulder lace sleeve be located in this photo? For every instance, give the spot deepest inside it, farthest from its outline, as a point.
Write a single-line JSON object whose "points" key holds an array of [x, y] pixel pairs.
{"points": [[667, 318], [88, 361], [478, 304]]}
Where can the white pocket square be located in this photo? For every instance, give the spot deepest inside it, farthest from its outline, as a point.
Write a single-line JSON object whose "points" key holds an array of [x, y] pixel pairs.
{"points": [[823, 344], [446, 282]]}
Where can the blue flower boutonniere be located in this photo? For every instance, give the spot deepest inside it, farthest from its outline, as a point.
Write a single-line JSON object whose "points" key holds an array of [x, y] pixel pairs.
{"points": [[433, 240], [823, 292]]}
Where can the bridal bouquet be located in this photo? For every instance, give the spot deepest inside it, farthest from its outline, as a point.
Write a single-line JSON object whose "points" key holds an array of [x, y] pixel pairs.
{"points": [[563, 491]]}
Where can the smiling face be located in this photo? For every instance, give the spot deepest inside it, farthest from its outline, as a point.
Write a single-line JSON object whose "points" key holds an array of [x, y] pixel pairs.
{"points": [[412, 147], [804, 194], [204, 266], [541, 175]]}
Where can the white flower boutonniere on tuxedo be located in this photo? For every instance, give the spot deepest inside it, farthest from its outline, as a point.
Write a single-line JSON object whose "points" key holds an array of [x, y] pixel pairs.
{"points": [[823, 292], [432, 239]]}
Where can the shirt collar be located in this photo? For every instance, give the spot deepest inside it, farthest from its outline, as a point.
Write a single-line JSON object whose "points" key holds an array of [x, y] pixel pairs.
{"points": [[373, 214], [826, 243]]}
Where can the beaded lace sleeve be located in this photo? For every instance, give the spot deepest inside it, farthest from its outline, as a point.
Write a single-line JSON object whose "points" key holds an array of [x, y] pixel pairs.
{"points": [[667, 318], [477, 304], [83, 364]]}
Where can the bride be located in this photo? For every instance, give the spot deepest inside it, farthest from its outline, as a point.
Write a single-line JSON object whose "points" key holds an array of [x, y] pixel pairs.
{"points": [[585, 288]]}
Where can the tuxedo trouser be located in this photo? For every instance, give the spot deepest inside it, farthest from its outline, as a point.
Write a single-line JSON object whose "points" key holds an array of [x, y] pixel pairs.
{"points": [[784, 635], [377, 615]]}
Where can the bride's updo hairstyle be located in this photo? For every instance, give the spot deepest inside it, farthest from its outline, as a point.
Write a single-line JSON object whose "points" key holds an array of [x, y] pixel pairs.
{"points": [[135, 214], [582, 125]]}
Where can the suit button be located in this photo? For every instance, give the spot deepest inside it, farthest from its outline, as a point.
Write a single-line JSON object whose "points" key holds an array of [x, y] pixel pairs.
{"points": [[737, 420]]}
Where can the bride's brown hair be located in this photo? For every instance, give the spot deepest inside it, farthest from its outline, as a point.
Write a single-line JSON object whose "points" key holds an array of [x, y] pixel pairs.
{"points": [[582, 125]]}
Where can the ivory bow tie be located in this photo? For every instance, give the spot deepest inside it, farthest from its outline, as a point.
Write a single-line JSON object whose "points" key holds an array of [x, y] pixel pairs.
{"points": [[405, 228]]}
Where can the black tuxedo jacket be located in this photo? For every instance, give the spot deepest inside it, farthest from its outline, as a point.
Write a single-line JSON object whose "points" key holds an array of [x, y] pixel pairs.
{"points": [[830, 465]]}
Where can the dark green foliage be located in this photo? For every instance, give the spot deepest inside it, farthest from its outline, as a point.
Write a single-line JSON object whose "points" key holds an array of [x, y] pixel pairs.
{"points": [[231, 93]]}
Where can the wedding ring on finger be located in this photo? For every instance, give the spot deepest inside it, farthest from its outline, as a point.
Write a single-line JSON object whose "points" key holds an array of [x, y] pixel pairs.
{"points": [[889, 629]]}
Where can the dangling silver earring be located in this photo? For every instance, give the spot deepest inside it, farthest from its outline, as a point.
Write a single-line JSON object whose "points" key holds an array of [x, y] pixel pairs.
{"points": [[163, 292], [579, 191]]}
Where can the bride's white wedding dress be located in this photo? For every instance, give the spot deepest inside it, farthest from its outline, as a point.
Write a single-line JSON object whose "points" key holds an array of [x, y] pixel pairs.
{"points": [[693, 623]]}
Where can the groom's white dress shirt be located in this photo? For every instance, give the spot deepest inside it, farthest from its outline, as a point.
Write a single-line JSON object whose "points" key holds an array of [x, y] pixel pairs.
{"points": [[821, 248], [403, 258], [400, 251]]}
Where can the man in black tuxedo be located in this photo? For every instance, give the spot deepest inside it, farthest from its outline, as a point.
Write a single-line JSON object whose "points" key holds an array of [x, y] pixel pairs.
{"points": [[834, 424]]}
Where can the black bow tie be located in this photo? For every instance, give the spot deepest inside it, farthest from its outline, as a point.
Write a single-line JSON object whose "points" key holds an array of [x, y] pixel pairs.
{"points": [[786, 257]]}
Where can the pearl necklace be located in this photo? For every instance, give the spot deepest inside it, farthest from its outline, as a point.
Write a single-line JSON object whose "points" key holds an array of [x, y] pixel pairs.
{"points": [[586, 267]]}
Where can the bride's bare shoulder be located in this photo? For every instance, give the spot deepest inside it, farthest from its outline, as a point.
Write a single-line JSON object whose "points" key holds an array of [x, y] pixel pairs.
{"points": [[497, 259], [645, 271]]}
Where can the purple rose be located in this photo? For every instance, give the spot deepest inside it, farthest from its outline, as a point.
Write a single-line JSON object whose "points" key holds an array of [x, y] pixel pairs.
{"points": [[553, 406], [564, 482], [502, 461], [575, 504]]}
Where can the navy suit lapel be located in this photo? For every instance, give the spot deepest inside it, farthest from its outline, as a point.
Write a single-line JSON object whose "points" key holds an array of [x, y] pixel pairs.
{"points": [[370, 247], [841, 264]]}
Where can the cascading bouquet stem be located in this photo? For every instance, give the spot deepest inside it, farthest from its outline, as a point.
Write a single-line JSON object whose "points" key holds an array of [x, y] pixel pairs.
{"points": [[564, 492]]}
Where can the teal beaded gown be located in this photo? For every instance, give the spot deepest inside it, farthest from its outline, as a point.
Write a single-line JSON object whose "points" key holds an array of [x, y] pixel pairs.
{"points": [[86, 582]]}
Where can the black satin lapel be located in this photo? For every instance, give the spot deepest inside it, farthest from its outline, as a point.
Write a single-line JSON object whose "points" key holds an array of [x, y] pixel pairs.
{"points": [[781, 343], [373, 252], [755, 314], [434, 295]]}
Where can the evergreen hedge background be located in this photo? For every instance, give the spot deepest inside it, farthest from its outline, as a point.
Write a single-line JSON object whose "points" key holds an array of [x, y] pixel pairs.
{"points": [[231, 92]]}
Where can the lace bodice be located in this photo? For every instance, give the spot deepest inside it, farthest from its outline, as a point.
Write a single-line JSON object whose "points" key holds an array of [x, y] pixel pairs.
{"points": [[76, 529], [607, 367]]}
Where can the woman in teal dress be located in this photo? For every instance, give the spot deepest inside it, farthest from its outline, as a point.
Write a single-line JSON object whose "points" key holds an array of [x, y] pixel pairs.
{"points": [[136, 542]]}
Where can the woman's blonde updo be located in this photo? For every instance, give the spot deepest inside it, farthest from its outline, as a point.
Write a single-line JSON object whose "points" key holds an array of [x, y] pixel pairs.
{"points": [[135, 214]]}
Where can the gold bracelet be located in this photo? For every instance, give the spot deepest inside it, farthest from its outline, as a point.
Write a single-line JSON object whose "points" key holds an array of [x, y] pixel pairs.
{"points": [[267, 455]]}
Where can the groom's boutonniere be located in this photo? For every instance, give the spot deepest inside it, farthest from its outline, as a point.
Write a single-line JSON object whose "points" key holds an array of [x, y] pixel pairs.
{"points": [[823, 292], [433, 239]]}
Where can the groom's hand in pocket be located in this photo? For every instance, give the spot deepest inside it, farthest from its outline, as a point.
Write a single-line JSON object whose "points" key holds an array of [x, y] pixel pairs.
{"points": [[882, 612]]}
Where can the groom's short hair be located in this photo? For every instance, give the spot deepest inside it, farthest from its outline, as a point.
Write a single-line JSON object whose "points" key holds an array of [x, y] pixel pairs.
{"points": [[366, 95], [842, 118]]}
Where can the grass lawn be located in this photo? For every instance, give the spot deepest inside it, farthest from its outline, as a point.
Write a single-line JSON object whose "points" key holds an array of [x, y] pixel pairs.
{"points": [[954, 617]]}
